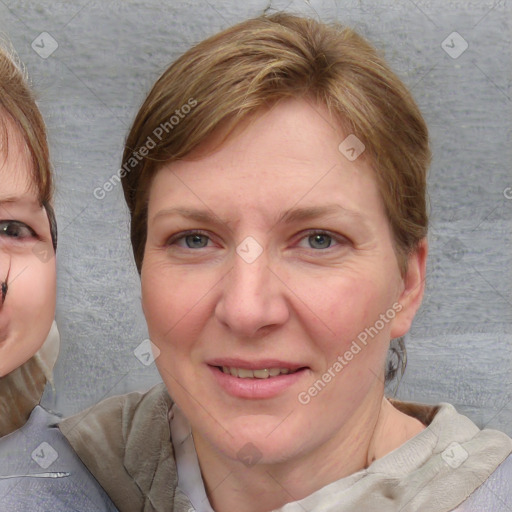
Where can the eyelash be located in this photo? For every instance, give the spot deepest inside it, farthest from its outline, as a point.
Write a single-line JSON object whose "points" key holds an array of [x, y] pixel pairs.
{"points": [[20, 226], [338, 239]]}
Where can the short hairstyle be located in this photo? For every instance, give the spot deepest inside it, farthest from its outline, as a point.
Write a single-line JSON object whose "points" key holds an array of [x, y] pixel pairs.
{"points": [[18, 108], [229, 76]]}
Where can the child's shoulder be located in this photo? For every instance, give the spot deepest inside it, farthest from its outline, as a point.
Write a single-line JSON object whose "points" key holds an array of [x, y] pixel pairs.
{"points": [[39, 471]]}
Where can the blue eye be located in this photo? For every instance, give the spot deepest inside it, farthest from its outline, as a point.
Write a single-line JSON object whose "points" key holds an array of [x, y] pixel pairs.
{"points": [[320, 241], [189, 240], [16, 230], [196, 241]]}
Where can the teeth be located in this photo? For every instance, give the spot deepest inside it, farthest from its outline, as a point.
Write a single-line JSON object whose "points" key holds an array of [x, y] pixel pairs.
{"points": [[260, 374], [264, 373]]}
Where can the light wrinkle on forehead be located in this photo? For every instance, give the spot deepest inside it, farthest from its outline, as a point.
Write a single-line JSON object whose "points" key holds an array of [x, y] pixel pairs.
{"points": [[356, 176]]}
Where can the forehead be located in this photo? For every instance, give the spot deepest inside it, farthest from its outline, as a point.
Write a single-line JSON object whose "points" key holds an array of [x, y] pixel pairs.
{"points": [[286, 155], [16, 167]]}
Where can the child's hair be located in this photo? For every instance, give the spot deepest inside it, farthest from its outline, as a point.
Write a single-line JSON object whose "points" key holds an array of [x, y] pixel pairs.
{"points": [[18, 109]]}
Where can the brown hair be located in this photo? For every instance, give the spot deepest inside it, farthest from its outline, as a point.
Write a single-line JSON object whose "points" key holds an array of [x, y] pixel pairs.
{"points": [[229, 76], [18, 106]]}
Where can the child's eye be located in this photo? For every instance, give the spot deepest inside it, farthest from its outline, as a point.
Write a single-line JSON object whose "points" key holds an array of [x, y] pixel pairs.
{"points": [[16, 230]]}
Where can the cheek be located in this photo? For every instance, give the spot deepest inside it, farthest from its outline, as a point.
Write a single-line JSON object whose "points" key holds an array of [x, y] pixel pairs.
{"points": [[175, 305], [33, 289], [341, 307], [30, 307], [33, 294], [172, 298]]}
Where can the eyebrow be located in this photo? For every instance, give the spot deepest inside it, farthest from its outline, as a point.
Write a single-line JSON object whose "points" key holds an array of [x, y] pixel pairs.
{"points": [[289, 216], [314, 212], [12, 200]]}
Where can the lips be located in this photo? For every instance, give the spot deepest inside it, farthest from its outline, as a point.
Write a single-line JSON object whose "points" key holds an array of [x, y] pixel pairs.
{"points": [[260, 369], [259, 379], [261, 373]]}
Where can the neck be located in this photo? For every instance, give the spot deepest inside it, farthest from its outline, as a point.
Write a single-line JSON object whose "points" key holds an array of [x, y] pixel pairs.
{"points": [[375, 429]]}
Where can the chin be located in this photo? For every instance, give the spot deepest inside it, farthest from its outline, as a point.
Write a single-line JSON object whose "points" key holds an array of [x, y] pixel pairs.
{"points": [[261, 439]]}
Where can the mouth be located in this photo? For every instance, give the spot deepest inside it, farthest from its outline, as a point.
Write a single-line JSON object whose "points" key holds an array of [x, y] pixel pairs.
{"points": [[262, 379], [261, 373]]}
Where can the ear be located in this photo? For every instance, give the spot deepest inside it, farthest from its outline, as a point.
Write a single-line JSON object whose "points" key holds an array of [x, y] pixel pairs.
{"points": [[412, 292]]}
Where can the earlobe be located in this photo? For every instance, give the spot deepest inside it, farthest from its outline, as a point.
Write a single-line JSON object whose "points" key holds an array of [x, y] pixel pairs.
{"points": [[412, 292]]}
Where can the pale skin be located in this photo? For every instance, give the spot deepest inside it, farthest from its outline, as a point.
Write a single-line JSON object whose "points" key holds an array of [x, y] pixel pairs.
{"points": [[26, 259], [300, 303]]}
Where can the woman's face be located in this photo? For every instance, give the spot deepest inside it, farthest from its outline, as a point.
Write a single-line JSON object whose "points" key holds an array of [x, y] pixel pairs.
{"points": [[27, 260], [271, 287]]}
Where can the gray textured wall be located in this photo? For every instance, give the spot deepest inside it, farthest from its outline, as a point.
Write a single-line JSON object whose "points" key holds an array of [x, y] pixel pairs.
{"points": [[109, 53]]}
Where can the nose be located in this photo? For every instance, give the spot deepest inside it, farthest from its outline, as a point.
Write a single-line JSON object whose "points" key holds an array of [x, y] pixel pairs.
{"points": [[253, 299]]}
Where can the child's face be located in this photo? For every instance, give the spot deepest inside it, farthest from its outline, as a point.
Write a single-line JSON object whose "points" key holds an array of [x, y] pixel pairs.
{"points": [[27, 260]]}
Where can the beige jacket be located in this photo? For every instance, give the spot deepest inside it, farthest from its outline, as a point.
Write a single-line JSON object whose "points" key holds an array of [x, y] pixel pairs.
{"points": [[125, 441]]}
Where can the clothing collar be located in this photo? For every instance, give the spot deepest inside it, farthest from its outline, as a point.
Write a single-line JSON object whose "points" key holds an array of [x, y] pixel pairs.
{"points": [[21, 390], [449, 459], [156, 476], [125, 442]]}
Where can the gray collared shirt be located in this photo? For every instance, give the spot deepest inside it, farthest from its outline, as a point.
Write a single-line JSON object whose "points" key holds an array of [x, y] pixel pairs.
{"points": [[40, 472]]}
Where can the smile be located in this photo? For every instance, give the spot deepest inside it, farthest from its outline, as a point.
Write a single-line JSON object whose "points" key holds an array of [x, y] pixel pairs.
{"points": [[264, 373]]}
